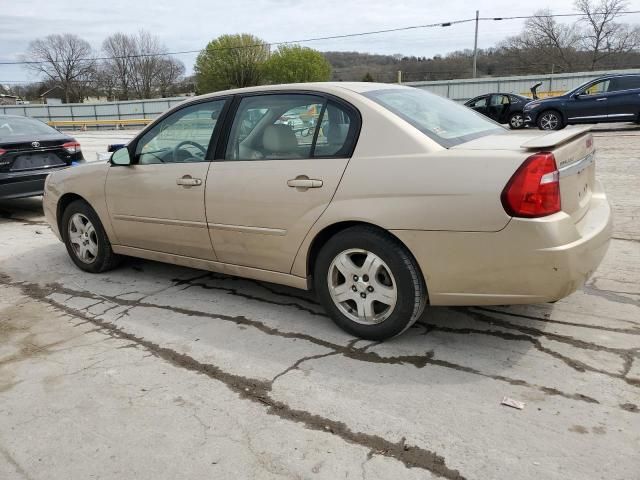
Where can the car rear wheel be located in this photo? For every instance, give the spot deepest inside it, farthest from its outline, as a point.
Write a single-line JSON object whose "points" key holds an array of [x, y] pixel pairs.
{"points": [[516, 121], [369, 283], [550, 120], [86, 240]]}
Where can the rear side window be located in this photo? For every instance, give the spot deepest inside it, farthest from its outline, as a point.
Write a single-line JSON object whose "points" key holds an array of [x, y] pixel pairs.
{"points": [[290, 126], [444, 121], [624, 83], [497, 100]]}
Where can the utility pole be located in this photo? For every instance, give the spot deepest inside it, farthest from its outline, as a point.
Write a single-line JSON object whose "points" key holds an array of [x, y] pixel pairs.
{"points": [[399, 76], [475, 46]]}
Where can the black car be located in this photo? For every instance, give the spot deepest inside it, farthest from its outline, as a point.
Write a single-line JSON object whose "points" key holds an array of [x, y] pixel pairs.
{"points": [[29, 151], [501, 107], [611, 98]]}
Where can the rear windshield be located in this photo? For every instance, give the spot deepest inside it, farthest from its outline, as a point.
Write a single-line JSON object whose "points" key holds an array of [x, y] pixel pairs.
{"points": [[442, 120], [16, 126]]}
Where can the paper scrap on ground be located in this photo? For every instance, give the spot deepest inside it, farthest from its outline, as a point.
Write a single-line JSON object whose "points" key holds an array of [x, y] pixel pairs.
{"points": [[510, 402]]}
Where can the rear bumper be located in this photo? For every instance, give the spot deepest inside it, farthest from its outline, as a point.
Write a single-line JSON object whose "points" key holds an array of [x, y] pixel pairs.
{"points": [[529, 261], [18, 185]]}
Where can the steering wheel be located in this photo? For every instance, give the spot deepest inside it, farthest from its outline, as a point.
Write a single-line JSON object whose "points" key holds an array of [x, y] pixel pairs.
{"points": [[184, 143]]}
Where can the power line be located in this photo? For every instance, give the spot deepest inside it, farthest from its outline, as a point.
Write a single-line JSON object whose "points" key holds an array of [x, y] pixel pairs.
{"points": [[315, 39]]}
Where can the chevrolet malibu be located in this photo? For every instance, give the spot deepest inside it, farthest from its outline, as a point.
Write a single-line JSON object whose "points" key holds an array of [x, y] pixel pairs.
{"points": [[381, 198]]}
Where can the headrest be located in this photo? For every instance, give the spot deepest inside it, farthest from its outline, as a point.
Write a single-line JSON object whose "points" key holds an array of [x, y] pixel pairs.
{"points": [[337, 133], [279, 139]]}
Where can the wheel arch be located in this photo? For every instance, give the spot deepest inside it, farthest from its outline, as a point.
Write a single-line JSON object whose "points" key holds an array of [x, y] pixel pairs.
{"points": [[63, 202], [329, 231]]}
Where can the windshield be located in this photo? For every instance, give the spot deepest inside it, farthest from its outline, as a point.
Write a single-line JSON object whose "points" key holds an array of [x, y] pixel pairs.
{"points": [[442, 120], [21, 126]]}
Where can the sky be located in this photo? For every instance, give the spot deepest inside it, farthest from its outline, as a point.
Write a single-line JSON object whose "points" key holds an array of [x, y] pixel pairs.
{"points": [[190, 24]]}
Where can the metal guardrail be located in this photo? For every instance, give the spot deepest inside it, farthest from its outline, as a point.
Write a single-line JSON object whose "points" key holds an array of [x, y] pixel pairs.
{"points": [[85, 124]]}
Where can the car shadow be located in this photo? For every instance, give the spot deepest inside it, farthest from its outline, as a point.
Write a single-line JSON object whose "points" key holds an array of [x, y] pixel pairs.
{"points": [[22, 208]]}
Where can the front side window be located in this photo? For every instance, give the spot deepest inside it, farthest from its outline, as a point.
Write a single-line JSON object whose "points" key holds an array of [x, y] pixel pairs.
{"points": [[184, 136], [288, 126], [444, 121], [480, 102], [598, 88]]}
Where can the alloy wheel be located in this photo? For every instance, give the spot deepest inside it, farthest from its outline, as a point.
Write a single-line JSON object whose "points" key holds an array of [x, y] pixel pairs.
{"points": [[362, 286], [549, 121], [83, 238], [516, 121]]}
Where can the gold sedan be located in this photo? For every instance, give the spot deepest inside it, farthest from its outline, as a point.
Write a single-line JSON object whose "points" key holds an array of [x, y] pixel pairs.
{"points": [[381, 198]]}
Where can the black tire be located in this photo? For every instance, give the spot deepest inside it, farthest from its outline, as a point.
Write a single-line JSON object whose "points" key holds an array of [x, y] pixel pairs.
{"points": [[105, 259], [550, 120], [409, 283], [516, 121]]}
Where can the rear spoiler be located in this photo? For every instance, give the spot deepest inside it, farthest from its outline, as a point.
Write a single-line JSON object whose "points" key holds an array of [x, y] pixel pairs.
{"points": [[556, 138]]}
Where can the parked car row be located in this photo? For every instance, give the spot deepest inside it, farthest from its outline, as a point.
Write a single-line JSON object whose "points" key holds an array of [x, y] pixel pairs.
{"points": [[610, 98]]}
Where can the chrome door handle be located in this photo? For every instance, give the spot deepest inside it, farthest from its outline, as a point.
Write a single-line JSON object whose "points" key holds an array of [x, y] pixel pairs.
{"points": [[303, 182], [601, 99], [188, 181]]}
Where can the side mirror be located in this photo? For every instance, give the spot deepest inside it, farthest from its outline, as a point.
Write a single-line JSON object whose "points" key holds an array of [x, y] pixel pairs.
{"points": [[121, 157], [579, 96]]}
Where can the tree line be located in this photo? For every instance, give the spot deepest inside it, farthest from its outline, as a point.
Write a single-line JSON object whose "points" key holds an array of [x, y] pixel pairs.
{"points": [[596, 40], [128, 66], [135, 66]]}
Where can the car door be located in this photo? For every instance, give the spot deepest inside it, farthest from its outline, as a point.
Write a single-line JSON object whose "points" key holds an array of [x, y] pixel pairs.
{"points": [[589, 105], [624, 98], [284, 157], [498, 108], [157, 203]]}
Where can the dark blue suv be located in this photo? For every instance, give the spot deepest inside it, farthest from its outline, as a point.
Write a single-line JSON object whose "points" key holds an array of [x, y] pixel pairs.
{"points": [[611, 98]]}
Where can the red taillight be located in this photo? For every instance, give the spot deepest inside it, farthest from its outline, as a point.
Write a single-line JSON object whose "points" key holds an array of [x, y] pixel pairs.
{"points": [[534, 190], [2, 152], [71, 147]]}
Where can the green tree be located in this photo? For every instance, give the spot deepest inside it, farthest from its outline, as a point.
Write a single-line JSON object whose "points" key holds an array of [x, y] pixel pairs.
{"points": [[296, 64], [368, 78], [230, 61]]}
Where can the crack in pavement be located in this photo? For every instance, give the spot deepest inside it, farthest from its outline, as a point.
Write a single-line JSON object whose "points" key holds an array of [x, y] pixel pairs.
{"points": [[611, 295], [577, 365], [532, 333], [626, 239], [235, 292], [361, 354], [629, 331], [258, 391]]}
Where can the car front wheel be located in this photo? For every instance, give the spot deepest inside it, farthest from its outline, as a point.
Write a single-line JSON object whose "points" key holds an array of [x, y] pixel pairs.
{"points": [[369, 283], [86, 240], [550, 120]]}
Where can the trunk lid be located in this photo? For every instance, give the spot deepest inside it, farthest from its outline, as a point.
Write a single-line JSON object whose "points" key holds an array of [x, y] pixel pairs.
{"points": [[573, 150], [23, 154]]}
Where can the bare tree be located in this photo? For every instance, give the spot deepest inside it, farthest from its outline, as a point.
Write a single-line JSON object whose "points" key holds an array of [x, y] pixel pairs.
{"points": [[66, 60], [146, 64], [121, 50], [170, 72], [547, 39], [602, 36]]}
